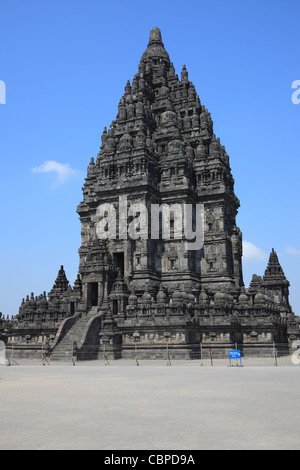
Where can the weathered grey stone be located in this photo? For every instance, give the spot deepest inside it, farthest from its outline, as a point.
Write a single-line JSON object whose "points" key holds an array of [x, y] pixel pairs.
{"points": [[149, 294]]}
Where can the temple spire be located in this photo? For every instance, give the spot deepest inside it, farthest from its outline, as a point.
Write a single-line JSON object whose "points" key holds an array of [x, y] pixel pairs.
{"points": [[275, 282], [155, 54], [61, 280], [184, 74], [155, 36], [274, 270]]}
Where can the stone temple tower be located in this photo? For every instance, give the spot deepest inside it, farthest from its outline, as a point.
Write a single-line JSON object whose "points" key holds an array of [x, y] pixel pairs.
{"points": [[161, 149], [145, 289]]}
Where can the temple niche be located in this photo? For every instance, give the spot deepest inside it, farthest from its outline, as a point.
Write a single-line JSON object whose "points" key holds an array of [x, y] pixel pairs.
{"points": [[146, 294]]}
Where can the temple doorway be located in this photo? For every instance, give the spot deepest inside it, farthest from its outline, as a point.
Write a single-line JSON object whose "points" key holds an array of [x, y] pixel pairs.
{"points": [[118, 260], [92, 294]]}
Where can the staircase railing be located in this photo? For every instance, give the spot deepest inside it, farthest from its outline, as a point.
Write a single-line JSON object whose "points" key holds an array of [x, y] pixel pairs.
{"points": [[89, 341], [63, 329]]}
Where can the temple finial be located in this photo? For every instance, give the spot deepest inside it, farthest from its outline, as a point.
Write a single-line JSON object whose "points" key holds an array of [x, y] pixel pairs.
{"points": [[184, 74], [155, 35]]}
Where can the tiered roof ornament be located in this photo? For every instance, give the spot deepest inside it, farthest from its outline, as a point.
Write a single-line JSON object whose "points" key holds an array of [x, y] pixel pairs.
{"points": [[61, 282], [274, 271], [275, 282]]}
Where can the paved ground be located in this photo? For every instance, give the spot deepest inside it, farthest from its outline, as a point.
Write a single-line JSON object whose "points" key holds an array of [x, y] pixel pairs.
{"points": [[150, 407]]}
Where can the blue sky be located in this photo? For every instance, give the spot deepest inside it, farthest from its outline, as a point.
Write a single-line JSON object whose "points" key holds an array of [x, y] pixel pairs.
{"points": [[65, 65]]}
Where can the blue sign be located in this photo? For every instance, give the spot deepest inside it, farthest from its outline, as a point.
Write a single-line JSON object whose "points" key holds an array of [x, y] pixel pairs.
{"points": [[235, 354]]}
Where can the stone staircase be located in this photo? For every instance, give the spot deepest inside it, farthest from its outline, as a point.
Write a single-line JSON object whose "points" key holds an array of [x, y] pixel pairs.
{"points": [[64, 350]]}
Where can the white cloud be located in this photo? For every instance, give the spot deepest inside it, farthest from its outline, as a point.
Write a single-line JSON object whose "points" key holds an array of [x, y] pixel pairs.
{"points": [[253, 253], [292, 251], [63, 171]]}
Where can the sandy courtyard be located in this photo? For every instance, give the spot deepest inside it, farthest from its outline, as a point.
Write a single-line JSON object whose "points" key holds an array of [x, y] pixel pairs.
{"points": [[150, 407]]}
